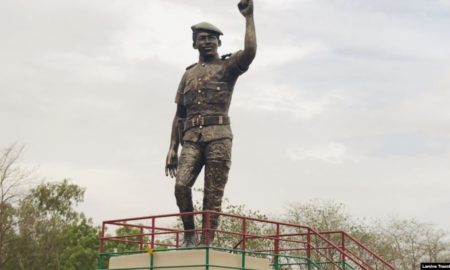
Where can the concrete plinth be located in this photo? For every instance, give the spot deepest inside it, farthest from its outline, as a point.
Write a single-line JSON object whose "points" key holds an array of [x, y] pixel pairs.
{"points": [[176, 259]]}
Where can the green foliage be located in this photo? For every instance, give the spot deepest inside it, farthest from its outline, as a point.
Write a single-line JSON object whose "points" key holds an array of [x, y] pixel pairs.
{"points": [[252, 228], [50, 233], [56, 200], [407, 242], [80, 245], [131, 242], [403, 242], [12, 180], [127, 238], [321, 215], [7, 234]]}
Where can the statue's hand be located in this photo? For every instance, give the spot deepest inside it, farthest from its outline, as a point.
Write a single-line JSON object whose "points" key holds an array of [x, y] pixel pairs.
{"points": [[171, 163], [246, 7]]}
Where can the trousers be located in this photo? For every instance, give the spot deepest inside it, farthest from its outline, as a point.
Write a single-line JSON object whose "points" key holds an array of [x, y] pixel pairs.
{"points": [[215, 157]]}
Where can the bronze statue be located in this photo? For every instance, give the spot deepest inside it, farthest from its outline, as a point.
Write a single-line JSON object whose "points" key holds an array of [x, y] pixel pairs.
{"points": [[201, 123]]}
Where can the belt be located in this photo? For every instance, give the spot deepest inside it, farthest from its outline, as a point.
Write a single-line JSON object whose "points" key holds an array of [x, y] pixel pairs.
{"points": [[201, 121]]}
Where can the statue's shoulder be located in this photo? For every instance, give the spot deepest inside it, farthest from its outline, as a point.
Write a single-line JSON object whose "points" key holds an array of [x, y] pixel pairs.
{"points": [[191, 66]]}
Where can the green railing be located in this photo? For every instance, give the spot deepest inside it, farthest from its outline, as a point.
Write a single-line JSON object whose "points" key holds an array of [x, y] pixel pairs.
{"points": [[276, 260]]}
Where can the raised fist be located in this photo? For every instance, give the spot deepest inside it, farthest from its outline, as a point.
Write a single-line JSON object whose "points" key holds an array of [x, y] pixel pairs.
{"points": [[246, 7]]}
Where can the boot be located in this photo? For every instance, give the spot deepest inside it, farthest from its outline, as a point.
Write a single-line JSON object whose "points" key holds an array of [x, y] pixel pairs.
{"points": [[190, 239], [190, 236], [184, 202]]}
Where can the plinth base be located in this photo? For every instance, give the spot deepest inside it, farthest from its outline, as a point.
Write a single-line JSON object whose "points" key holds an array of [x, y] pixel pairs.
{"points": [[196, 259]]}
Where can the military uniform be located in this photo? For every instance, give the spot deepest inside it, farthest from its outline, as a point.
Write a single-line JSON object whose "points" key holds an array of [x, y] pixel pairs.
{"points": [[205, 91]]}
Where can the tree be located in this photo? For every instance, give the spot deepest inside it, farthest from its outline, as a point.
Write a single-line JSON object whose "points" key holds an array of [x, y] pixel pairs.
{"points": [[252, 227], [51, 234], [404, 242], [40, 228], [321, 215], [408, 242], [325, 216], [130, 242], [80, 245], [12, 178]]}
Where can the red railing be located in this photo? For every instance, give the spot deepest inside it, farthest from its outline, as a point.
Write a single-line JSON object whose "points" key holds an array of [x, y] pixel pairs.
{"points": [[282, 241], [357, 249]]}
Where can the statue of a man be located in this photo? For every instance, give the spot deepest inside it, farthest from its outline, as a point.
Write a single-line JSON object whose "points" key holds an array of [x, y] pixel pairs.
{"points": [[201, 123]]}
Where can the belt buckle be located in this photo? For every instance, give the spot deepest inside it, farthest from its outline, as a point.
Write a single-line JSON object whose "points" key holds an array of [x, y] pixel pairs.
{"points": [[198, 121]]}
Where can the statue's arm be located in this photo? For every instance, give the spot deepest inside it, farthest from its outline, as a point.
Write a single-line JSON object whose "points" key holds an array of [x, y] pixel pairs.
{"points": [[172, 155], [249, 53]]}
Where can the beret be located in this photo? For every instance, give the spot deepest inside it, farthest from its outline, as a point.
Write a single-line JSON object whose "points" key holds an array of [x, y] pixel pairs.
{"points": [[206, 26]]}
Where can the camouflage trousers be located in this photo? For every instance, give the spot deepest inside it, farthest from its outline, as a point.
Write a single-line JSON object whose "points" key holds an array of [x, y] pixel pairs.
{"points": [[215, 156]]}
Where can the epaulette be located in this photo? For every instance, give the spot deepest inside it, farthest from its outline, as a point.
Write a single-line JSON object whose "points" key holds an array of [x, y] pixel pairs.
{"points": [[191, 66], [225, 56]]}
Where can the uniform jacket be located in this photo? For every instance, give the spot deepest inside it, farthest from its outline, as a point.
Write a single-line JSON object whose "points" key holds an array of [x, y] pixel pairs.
{"points": [[206, 90]]}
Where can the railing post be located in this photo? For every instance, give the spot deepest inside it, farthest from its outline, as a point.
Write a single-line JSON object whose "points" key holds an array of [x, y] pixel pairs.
{"points": [[102, 240], [102, 246], [152, 243], [207, 258], [207, 230], [308, 248], [277, 247], [344, 265], [243, 260], [244, 239], [152, 261], [100, 262], [141, 244], [244, 234], [177, 240]]}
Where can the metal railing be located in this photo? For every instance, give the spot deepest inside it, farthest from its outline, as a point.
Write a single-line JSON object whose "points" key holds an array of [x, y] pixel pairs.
{"points": [[358, 250], [282, 243]]}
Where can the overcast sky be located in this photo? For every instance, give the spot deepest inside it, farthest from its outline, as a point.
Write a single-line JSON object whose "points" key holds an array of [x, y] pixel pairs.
{"points": [[346, 100]]}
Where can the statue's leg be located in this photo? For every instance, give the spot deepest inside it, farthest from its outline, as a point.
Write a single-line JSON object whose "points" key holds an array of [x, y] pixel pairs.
{"points": [[189, 166], [217, 166]]}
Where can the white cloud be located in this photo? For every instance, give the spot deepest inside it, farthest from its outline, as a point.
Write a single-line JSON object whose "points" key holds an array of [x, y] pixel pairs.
{"points": [[273, 55], [332, 152], [280, 4], [266, 96], [156, 33]]}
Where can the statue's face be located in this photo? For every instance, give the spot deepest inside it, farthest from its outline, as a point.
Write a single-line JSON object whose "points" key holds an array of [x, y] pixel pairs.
{"points": [[207, 44]]}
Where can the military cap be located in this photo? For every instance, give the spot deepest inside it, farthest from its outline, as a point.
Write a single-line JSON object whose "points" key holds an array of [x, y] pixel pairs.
{"points": [[206, 27]]}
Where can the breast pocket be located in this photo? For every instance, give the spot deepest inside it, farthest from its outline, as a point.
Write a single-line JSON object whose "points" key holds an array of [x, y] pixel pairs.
{"points": [[217, 92], [188, 97]]}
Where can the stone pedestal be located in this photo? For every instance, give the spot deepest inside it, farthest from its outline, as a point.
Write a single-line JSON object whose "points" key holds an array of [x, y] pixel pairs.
{"points": [[196, 260]]}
